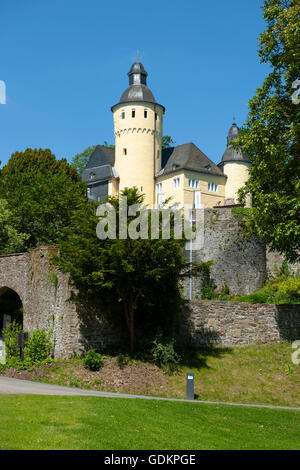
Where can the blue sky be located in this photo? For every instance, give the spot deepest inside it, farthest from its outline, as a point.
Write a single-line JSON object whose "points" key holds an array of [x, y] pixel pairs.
{"points": [[65, 63]]}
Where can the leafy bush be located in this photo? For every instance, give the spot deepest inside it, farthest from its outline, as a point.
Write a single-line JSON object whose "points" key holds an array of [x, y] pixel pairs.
{"points": [[284, 271], [280, 292], [93, 360], [288, 291], [38, 347], [10, 340], [36, 350], [209, 292], [163, 351], [124, 361]]}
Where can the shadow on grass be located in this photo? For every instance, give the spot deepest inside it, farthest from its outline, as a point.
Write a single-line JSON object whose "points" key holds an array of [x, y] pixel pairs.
{"points": [[196, 358]]}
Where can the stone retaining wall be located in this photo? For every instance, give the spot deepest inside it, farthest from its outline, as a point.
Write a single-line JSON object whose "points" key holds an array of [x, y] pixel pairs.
{"points": [[206, 323], [45, 296]]}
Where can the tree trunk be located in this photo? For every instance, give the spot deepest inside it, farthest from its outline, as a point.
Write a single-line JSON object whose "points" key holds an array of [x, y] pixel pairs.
{"points": [[129, 316]]}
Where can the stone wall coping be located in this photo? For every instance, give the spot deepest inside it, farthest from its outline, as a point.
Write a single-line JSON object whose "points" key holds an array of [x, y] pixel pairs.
{"points": [[38, 248], [235, 302]]}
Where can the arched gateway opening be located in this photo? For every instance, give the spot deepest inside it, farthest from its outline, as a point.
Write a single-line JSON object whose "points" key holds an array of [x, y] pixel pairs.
{"points": [[11, 308]]}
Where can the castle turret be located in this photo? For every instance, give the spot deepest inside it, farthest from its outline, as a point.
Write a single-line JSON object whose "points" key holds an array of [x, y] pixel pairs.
{"points": [[234, 164], [138, 124]]}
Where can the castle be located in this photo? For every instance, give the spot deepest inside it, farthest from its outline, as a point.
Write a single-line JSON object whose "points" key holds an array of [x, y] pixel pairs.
{"points": [[183, 173]]}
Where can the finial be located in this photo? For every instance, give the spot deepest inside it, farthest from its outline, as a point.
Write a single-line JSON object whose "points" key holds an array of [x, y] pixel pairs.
{"points": [[233, 119], [137, 55]]}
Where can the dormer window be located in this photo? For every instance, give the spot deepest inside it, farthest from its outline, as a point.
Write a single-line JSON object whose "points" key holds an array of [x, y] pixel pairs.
{"points": [[92, 175], [212, 187], [133, 113]]}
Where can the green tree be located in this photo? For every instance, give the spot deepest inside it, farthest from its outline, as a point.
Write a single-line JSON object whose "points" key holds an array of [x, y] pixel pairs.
{"points": [[10, 239], [42, 194], [139, 276], [271, 135], [166, 141], [80, 160]]}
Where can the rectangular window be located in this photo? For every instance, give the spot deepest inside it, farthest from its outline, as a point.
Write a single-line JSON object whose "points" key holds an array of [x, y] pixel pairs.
{"points": [[176, 183], [158, 187], [212, 187], [133, 113], [123, 115], [193, 183], [124, 151], [155, 116], [145, 113]]}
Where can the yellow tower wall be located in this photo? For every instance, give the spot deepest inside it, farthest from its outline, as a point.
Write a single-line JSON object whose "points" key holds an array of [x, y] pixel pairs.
{"points": [[138, 146], [237, 175]]}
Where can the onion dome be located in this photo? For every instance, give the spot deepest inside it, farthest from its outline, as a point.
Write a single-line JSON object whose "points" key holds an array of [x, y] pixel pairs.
{"points": [[231, 154], [138, 89]]}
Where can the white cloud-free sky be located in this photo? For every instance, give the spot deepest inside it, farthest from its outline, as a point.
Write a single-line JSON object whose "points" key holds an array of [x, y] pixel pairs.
{"points": [[65, 63]]}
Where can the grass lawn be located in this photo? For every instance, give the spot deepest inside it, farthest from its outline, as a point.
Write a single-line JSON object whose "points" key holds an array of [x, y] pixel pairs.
{"points": [[261, 374], [88, 423]]}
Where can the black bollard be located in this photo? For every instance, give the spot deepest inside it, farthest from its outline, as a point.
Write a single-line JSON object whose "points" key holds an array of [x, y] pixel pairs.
{"points": [[190, 394]]}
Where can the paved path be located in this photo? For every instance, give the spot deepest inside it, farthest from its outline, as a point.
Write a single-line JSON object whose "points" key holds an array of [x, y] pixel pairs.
{"points": [[26, 387]]}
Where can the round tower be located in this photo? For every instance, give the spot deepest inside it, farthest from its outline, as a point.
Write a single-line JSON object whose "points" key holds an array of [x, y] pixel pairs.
{"points": [[234, 164], [138, 125]]}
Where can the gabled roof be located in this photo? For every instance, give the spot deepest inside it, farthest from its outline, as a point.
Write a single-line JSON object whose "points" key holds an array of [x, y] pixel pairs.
{"points": [[187, 157], [100, 166]]}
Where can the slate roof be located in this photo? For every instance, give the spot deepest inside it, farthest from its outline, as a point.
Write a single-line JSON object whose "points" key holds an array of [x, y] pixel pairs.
{"points": [[187, 157], [230, 153], [100, 166], [138, 89], [137, 93]]}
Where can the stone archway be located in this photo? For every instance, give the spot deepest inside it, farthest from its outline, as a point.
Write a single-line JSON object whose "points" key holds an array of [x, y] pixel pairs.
{"points": [[11, 307], [44, 294]]}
